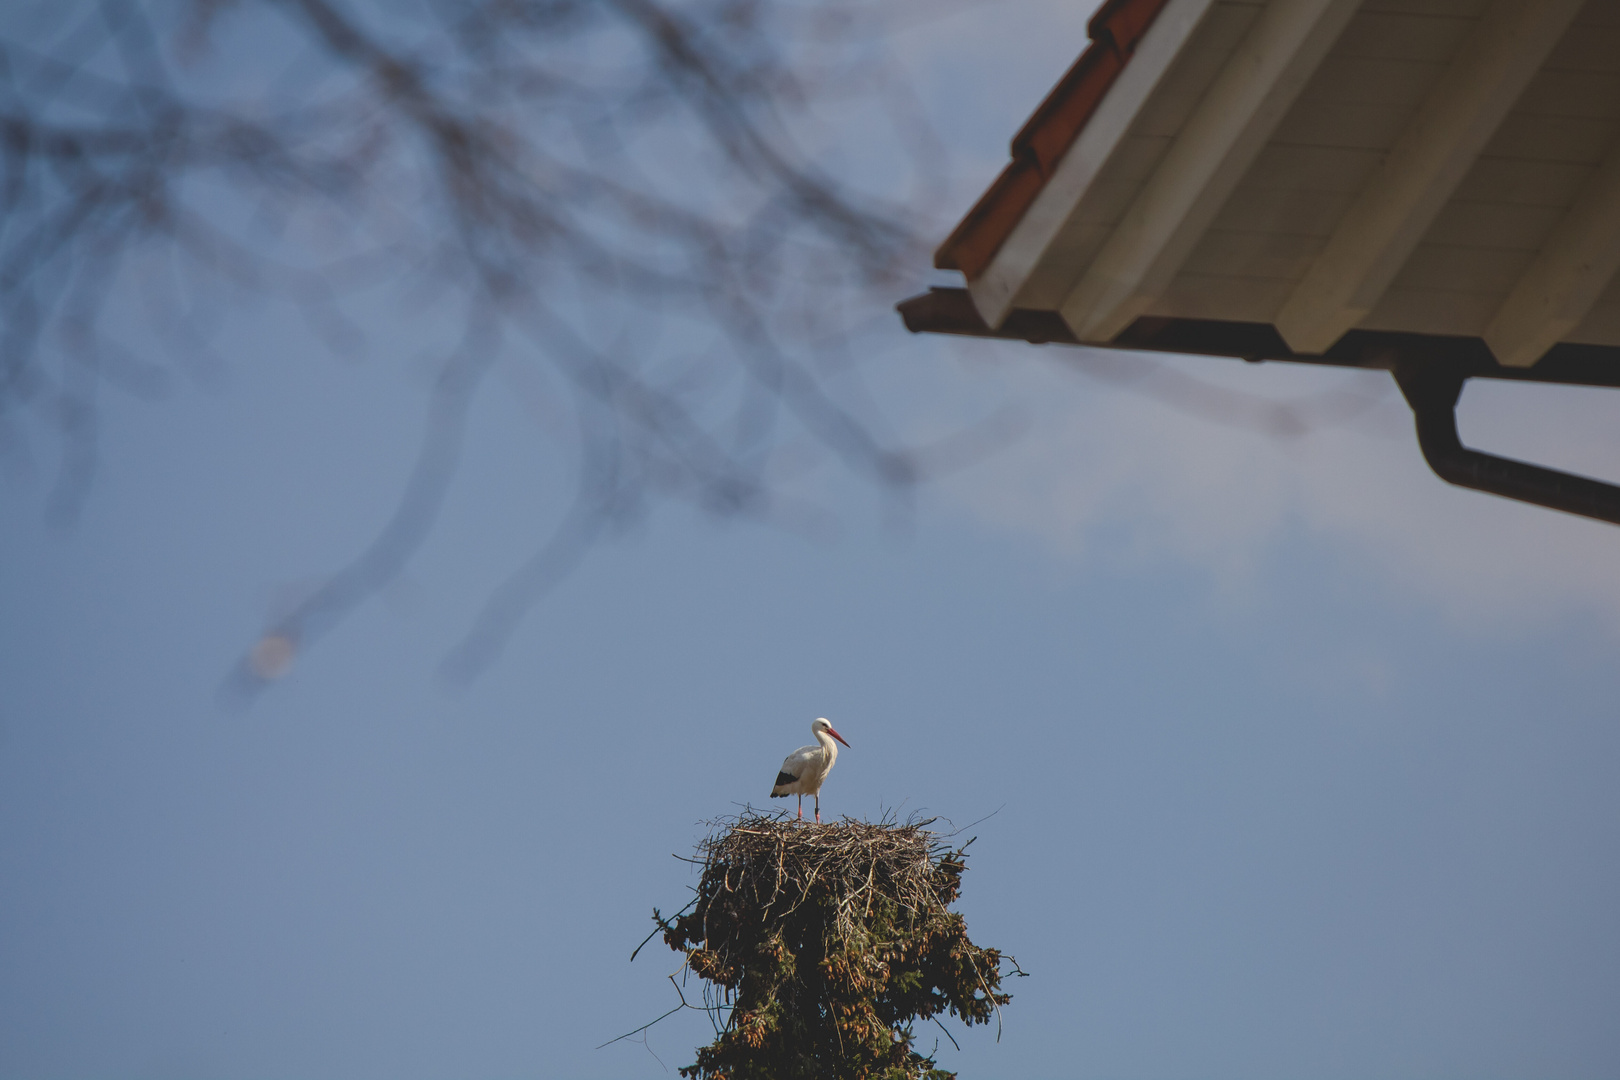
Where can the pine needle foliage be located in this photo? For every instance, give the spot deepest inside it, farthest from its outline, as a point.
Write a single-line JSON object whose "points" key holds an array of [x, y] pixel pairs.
{"points": [[824, 944]]}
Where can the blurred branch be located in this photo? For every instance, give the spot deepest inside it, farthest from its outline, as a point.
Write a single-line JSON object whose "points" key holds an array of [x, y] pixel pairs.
{"points": [[636, 196], [1282, 419], [648, 159]]}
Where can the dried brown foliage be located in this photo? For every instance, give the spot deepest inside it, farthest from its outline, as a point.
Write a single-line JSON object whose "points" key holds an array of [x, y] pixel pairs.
{"points": [[825, 943]]}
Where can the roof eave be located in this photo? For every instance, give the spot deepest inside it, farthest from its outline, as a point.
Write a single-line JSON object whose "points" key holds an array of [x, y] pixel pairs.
{"points": [[1115, 30]]}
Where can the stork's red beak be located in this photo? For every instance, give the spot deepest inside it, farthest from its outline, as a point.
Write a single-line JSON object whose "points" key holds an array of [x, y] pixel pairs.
{"points": [[835, 735]]}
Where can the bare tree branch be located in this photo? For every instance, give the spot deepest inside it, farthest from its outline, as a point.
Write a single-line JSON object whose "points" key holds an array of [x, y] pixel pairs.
{"points": [[634, 196], [468, 151]]}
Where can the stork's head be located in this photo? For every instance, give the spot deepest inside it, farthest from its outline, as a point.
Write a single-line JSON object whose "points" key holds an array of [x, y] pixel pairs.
{"points": [[823, 724]]}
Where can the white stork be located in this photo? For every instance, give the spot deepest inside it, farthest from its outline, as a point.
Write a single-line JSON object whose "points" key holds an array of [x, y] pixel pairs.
{"points": [[805, 768]]}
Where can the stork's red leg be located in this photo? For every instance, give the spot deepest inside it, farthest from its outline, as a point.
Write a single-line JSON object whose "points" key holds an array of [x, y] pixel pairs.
{"points": [[801, 807], [818, 808]]}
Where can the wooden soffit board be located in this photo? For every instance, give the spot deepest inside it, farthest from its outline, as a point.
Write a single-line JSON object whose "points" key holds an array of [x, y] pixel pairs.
{"points": [[1445, 167]]}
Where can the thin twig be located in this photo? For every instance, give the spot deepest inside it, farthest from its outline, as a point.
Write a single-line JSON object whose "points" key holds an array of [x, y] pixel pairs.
{"points": [[662, 925], [650, 1023]]}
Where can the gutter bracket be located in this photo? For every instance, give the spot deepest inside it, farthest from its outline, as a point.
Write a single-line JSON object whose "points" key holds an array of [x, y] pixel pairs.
{"points": [[1432, 389]]}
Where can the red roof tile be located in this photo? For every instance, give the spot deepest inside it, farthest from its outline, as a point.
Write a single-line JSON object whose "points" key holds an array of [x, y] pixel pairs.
{"points": [[1114, 31]]}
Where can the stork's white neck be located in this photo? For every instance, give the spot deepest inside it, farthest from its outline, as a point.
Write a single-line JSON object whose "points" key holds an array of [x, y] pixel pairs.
{"points": [[829, 749]]}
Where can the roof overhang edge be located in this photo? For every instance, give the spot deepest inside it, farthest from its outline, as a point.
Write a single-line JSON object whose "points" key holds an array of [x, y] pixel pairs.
{"points": [[997, 288], [1115, 30]]}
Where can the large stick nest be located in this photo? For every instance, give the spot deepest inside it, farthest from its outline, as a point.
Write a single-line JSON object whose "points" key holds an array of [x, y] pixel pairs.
{"points": [[823, 943], [773, 865]]}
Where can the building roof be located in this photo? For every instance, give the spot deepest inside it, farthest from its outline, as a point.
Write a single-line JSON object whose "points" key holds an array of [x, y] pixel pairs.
{"points": [[1431, 187], [1114, 31], [1433, 167]]}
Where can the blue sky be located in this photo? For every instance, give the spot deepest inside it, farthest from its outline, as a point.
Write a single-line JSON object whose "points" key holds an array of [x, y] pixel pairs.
{"points": [[1301, 764]]}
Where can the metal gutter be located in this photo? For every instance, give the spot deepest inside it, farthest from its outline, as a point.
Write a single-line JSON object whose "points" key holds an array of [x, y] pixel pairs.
{"points": [[1432, 391], [1430, 370]]}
